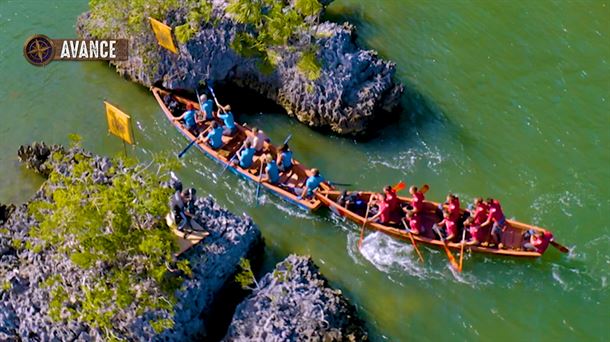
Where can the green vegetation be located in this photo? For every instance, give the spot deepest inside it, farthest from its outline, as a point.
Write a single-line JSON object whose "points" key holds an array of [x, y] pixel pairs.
{"points": [[116, 232], [271, 25], [246, 278]]}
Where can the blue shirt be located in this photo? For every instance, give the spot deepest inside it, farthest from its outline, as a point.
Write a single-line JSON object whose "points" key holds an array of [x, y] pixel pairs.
{"points": [[273, 172], [286, 159], [215, 137], [313, 182], [189, 119], [228, 119], [207, 108], [245, 159]]}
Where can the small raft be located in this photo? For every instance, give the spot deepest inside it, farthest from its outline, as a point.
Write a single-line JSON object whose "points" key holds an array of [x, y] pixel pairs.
{"points": [[290, 182], [512, 238]]}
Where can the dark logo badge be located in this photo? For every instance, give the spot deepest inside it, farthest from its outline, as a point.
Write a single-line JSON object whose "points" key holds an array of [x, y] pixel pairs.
{"points": [[39, 50]]}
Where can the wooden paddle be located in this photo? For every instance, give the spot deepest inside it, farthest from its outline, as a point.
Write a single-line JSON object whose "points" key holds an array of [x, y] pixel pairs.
{"points": [[399, 186], [421, 258], [260, 179], [462, 249], [449, 255], [366, 217], [560, 247]]}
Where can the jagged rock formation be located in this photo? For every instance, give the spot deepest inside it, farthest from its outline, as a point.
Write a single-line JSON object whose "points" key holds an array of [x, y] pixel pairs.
{"points": [[295, 303], [24, 300], [355, 86]]}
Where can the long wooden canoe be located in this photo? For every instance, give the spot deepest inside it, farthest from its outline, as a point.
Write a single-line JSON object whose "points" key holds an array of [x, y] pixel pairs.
{"points": [[290, 182], [512, 238]]}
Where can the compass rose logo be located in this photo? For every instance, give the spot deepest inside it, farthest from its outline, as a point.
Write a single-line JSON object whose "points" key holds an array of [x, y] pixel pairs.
{"points": [[38, 50]]}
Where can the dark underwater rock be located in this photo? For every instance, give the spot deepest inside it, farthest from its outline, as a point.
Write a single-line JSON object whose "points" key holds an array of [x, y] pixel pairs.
{"points": [[355, 88], [295, 303]]}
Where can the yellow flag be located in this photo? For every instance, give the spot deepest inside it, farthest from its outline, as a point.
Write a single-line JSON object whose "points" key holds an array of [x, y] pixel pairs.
{"points": [[119, 123], [163, 34]]}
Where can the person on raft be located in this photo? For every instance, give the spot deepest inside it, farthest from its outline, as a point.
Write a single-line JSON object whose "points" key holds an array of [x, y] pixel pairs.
{"points": [[393, 202], [246, 156], [383, 214], [453, 206], [480, 212], [417, 199], [538, 241], [496, 216], [284, 159], [451, 229], [475, 231], [258, 140], [227, 117], [189, 118], [177, 208], [272, 172], [352, 202], [171, 103], [214, 137], [207, 107], [312, 183], [415, 223]]}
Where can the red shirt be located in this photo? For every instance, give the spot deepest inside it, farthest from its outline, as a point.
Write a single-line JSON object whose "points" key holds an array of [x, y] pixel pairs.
{"points": [[392, 199], [384, 209], [454, 209], [495, 212], [476, 232], [415, 224], [542, 243], [418, 201], [451, 226], [480, 213]]}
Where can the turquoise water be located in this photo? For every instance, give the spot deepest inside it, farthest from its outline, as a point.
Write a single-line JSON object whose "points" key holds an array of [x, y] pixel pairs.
{"points": [[505, 99]]}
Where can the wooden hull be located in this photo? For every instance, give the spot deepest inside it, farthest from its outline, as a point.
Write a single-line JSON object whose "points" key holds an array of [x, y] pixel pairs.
{"points": [[512, 237], [290, 182]]}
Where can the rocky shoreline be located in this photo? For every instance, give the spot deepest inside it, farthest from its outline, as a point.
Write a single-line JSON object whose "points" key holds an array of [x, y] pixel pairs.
{"points": [[354, 89], [206, 299]]}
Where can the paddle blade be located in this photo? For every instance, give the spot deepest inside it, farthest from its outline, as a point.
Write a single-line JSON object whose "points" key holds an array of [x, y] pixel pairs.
{"points": [[399, 186], [560, 247]]}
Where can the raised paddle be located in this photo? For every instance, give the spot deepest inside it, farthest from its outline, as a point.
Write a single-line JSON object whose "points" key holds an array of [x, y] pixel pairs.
{"points": [[560, 247], [462, 249], [449, 255], [366, 217], [399, 186], [287, 139], [421, 258], [260, 179]]}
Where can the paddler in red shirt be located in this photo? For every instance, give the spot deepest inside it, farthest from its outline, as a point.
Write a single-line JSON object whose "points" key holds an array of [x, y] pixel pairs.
{"points": [[453, 206], [449, 224], [539, 242], [383, 214], [499, 221], [415, 223], [481, 210], [417, 199]]}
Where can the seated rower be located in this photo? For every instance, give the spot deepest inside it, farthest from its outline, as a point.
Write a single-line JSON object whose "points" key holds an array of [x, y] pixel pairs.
{"points": [[481, 210], [258, 139], [246, 156], [499, 221], [383, 211], [207, 107], [284, 159], [453, 206], [539, 241], [312, 183], [450, 226], [272, 171], [417, 201], [227, 117], [189, 118], [214, 137], [351, 201], [415, 223], [392, 198], [475, 231]]}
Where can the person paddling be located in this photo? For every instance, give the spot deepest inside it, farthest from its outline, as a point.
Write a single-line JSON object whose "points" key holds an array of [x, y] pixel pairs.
{"points": [[272, 171], [207, 107], [475, 231], [453, 206], [417, 199], [392, 198], [480, 212], [214, 137], [449, 224], [499, 221], [312, 183], [415, 223], [284, 159], [246, 156], [258, 139], [227, 117], [189, 118], [539, 241], [383, 214]]}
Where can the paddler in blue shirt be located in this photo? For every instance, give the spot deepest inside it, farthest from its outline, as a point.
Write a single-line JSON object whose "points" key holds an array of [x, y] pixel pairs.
{"points": [[189, 118], [284, 159], [214, 138], [272, 171], [312, 183], [227, 117], [207, 107]]}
